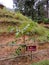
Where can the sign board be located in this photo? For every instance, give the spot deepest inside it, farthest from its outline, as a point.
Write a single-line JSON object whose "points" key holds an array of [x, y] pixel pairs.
{"points": [[30, 48]]}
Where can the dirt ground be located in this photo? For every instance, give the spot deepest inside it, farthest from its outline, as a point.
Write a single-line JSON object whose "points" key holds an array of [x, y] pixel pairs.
{"points": [[6, 51], [36, 57], [5, 38]]}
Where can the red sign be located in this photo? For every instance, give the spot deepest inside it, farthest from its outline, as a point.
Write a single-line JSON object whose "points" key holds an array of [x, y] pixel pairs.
{"points": [[30, 48]]}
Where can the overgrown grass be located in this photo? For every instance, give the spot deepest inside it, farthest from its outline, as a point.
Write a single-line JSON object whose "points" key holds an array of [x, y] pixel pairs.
{"points": [[24, 25]]}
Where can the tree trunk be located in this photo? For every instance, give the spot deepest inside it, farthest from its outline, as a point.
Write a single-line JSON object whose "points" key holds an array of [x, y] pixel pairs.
{"points": [[47, 9]]}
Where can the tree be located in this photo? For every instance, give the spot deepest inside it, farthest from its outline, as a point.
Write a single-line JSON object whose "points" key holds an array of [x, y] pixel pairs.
{"points": [[41, 11], [47, 8], [26, 7], [19, 4]]}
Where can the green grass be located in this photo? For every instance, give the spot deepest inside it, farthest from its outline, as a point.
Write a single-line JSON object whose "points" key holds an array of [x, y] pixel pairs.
{"points": [[44, 62], [7, 28], [23, 26]]}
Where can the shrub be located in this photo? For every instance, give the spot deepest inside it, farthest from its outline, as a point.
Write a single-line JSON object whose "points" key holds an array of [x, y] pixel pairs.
{"points": [[46, 20]]}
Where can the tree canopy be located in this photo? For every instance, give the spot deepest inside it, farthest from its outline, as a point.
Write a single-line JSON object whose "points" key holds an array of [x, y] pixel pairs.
{"points": [[35, 9]]}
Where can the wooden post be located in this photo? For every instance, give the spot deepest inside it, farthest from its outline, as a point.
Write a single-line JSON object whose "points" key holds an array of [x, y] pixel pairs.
{"points": [[31, 55], [24, 43], [23, 38]]}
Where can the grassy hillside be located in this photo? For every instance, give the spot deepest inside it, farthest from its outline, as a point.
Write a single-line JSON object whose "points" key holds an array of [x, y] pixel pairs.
{"points": [[7, 16], [11, 21]]}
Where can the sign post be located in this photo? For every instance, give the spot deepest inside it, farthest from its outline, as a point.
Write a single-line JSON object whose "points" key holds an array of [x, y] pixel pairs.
{"points": [[31, 48], [31, 55]]}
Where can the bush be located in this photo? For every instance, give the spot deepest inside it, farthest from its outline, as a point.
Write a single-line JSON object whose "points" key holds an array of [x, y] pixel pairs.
{"points": [[41, 20], [46, 20]]}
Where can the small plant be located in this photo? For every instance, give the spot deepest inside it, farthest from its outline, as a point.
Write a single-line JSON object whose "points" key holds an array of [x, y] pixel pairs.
{"points": [[20, 49], [11, 28]]}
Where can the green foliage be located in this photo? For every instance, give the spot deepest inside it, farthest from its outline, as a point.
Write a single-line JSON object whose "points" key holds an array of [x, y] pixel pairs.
{"points": [[11, 29], [46, 20], [22, 25], [33, 28], [7, 28], [18, 51], [42, 20], [36, 12], [42, 39], [45, 62], [27, 5]]}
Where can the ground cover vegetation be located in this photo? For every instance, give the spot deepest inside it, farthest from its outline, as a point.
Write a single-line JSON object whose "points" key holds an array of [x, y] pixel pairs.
{"points": [[25, 24], [22, 25], [44, 62]]}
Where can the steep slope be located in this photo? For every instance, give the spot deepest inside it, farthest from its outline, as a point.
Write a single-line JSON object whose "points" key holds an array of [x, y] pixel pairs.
{"points": [[14, 25], [16, 22]]}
